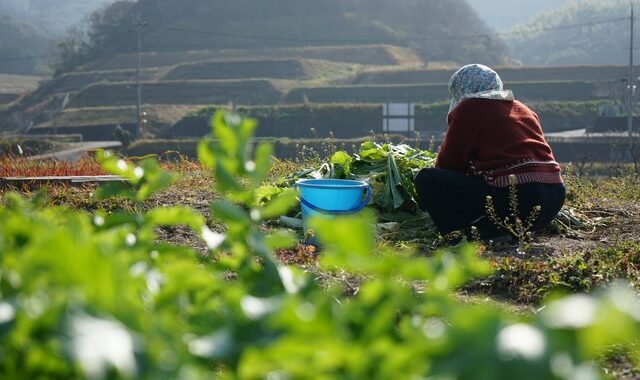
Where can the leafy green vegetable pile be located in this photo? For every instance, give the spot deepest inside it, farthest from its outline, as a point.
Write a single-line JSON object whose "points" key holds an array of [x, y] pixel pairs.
{"points": [[388, 168]]}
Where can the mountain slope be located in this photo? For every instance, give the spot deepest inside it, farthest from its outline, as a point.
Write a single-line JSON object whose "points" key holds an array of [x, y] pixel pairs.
{"points": [[428, 26], [506, 14], [52, 17], [603, 38], [22, 48]]}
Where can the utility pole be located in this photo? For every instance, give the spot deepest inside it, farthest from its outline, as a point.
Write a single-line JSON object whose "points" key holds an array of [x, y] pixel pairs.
{"points": [[630, 81], [139, 27]]}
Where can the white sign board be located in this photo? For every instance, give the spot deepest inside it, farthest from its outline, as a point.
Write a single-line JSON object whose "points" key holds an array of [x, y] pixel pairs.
{"points": [[398, 117]]}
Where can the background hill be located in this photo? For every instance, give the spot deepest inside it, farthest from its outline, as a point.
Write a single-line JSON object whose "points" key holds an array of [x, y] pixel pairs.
{"points": [[17, 41], [505, 14], [33, 28], [595, 43], [53, 17], [426, 26], [293, 64]]}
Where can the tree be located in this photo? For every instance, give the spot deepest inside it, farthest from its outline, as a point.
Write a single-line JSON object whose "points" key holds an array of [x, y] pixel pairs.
{"points": [[433, 28]]}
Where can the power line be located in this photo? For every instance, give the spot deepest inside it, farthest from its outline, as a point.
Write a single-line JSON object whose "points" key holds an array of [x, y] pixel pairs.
{"points": [[362, 41], [371, 41]]}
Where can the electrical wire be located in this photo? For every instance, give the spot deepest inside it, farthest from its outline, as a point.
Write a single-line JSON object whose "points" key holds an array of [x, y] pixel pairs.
{"points": [[356, 41]]}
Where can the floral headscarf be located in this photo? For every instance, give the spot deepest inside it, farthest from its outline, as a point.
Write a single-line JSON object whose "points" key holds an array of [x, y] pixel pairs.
{"points": [[476, 81]]}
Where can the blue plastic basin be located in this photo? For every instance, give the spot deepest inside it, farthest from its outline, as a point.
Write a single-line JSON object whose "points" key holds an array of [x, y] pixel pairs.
{"points": [[330, 197]]}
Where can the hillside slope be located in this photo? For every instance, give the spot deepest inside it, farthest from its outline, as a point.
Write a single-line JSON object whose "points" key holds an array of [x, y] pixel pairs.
{"points": [[603, 38], [21, 47], [52, 17], [431, 27]]}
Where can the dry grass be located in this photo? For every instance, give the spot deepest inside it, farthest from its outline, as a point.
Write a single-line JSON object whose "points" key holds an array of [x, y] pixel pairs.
{"points": [[11, 166], [18, 84]]}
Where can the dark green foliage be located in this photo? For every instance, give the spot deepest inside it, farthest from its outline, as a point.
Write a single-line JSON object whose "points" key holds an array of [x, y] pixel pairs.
{"points": [[424, 26], [109, 28]]}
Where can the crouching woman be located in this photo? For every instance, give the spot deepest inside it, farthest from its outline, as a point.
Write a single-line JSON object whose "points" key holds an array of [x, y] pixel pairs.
{"points": [[492, 140]]}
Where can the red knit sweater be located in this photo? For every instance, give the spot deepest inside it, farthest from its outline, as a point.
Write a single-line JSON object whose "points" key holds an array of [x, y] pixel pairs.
{"points": [[496, 138]]}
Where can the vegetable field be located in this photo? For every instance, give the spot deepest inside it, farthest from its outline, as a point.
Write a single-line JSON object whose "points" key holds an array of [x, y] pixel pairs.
{"points": [[185, 272]]}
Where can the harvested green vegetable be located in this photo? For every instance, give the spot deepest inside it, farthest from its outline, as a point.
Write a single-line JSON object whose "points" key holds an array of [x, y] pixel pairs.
{"points": [[388, 168]]}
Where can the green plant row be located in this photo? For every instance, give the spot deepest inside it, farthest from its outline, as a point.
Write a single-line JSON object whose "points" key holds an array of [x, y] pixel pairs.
{"points": [[98, 296], [346, 120]]}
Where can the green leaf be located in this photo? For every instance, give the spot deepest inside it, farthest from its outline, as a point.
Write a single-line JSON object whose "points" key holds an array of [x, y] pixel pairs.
{"points": [[265, 193], [280, 205], [229, 212], [341, 162], [154, 179], [394, 198], [117, 166], [114, 190], [223, 132], [371, 151], [346, 235], [117, 219], [173, 216], [280, 239], [206, 154], [263, 162], [225, 175]]}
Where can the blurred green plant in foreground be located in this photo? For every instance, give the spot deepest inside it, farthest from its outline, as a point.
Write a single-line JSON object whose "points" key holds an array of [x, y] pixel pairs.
{"points": [[99, 296]]}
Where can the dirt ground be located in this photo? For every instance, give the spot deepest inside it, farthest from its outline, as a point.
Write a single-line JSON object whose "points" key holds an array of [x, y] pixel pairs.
{"points": [[607, 243]]}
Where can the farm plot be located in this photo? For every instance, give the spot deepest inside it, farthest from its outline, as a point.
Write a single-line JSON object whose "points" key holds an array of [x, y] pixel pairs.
{"points": [[508, 74], [356, 54], [87, 119], [292, 69], [18, 84], [221, 271], [432, 93], [179, 92]]}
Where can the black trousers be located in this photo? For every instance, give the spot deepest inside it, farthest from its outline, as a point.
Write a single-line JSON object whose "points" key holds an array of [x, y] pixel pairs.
{"points": [[457, 202]]}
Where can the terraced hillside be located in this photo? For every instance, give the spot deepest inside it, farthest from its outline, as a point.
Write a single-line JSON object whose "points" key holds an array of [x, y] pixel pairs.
{"points": [[508, 74], [177, 78], [250, 91], [329, 94], [13, 86], [291, 69], [284, 26], [358, 54], [99, 123], [430, 93]]}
